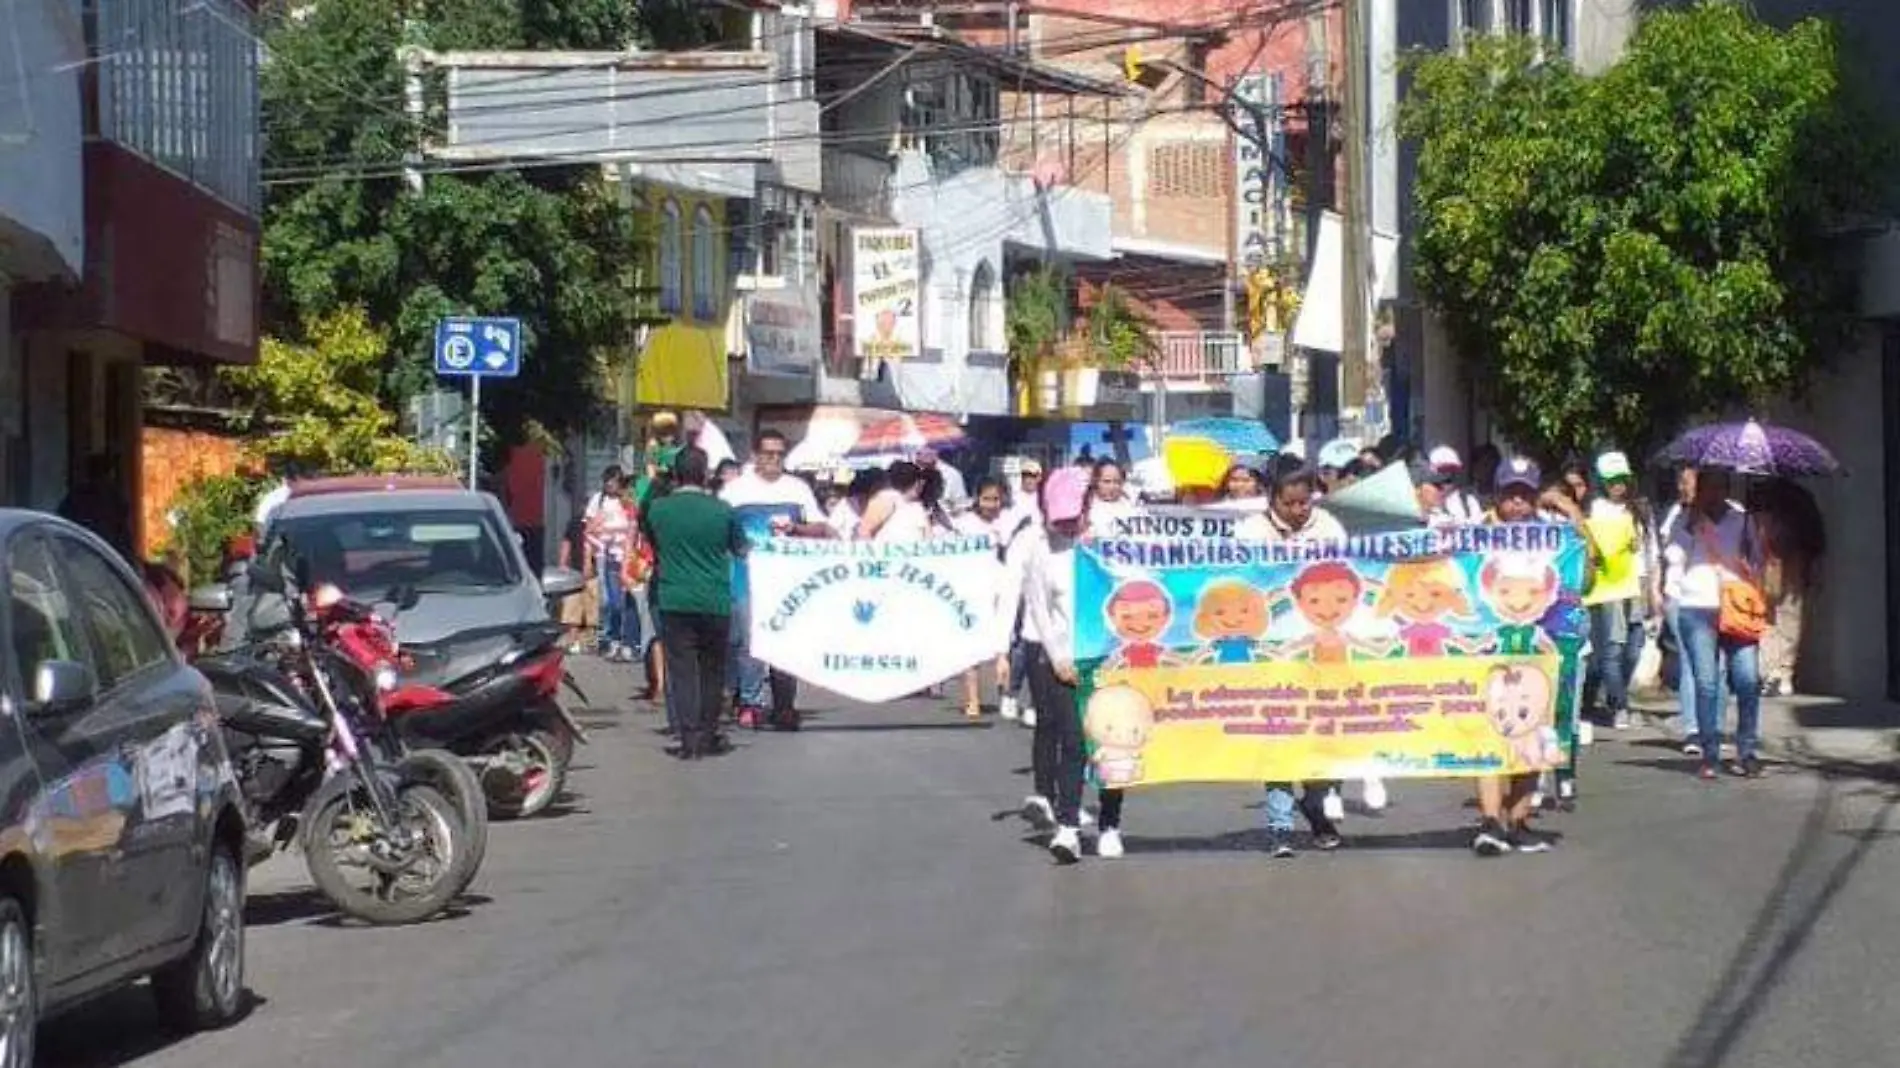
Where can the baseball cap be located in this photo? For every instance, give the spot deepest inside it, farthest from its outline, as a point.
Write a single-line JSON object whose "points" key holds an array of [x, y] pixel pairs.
{"points": [[1065, 495], [1612, 466], [1029, 467], [1519, 471], [1338, 452], [1444, 457]]}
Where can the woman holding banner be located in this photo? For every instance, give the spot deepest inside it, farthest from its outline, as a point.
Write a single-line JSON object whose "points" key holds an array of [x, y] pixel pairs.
{"points": [[987, 517], [1048, 596], [1292, 516]]}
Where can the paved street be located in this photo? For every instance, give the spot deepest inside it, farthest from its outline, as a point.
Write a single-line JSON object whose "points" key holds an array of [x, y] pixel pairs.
{"points": [[861, 894]]}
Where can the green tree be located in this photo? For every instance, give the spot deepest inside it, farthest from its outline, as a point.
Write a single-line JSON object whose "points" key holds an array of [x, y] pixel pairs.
{"points": [[342, 230], [1615, 255], [312, 405], [1120, 334]]}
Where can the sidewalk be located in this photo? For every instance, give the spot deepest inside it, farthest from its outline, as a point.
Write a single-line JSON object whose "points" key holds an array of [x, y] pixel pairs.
{"points": [[1815, 730]]}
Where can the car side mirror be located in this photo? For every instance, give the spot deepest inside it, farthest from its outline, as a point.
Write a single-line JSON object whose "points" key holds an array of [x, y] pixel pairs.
{"points": [[214, 598], [559, 582], [62, 685]]}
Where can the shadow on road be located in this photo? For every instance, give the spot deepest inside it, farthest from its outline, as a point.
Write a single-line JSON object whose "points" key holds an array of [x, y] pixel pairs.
{"points": [[119, 1029], [1802, 893], [274, 908]]}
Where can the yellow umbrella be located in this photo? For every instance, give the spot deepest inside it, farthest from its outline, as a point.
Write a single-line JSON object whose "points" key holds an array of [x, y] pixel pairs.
{"points": [[1195, 463]]}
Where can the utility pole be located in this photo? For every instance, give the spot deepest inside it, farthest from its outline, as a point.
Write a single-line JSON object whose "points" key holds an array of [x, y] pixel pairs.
{"points": [[1355, 346]]}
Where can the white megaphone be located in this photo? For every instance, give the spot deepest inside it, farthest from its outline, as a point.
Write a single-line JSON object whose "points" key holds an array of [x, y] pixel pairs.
{"points": [[1378, 503]]}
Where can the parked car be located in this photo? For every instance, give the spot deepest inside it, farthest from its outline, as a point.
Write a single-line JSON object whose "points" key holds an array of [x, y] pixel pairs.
{"points": [[122, 835]]}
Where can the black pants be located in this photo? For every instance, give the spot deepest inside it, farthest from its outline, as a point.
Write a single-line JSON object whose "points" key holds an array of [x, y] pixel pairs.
{"points": [[1057, 758], [696, 649]]}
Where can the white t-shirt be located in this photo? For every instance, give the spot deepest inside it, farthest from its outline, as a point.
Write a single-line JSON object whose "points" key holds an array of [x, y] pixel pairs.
{"points": [[751, 489], [955, 496], [610, 528], [1262, 526], [1103, 514], [909, 521], [843, 520], [1695, 569]]}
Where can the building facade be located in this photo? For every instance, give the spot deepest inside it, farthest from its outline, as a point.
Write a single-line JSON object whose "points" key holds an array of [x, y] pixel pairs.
{"points": [[130, 166]]}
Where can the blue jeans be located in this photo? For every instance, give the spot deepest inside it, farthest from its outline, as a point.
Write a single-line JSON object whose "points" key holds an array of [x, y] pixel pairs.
{"points": [[1686, 724], [1707, 650], [1280, 803], [1018, 667], [613, 606], [1616, 638]]}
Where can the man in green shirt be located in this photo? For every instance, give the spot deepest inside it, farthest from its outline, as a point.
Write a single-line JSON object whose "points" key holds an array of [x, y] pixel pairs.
{"points": [[695, 540]]}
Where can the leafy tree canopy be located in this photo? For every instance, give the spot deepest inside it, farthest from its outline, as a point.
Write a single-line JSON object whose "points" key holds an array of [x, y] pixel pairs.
{"points": [[341, 230], [313, 407], [1615, 255]]}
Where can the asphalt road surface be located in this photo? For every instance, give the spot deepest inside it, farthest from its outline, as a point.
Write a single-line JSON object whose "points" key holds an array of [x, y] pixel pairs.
{"points": [[862, 894]]}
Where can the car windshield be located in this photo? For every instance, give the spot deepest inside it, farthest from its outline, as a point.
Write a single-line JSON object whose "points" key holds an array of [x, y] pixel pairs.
{"points": [[375, 557]]}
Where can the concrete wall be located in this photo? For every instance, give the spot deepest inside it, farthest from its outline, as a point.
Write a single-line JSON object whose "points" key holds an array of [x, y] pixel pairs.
{"points": [[967, 220]]}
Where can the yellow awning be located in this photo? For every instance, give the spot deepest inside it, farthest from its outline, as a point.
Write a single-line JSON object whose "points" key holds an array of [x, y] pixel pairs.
{"points": [[683, 366]]}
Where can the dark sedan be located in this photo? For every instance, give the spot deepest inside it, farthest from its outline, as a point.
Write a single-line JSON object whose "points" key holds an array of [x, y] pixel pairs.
{"points": [[121, 840]]}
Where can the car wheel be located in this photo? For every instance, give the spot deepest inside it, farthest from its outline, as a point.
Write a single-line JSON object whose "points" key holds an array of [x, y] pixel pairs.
{"points": [[19, 1001], [205, 989]]}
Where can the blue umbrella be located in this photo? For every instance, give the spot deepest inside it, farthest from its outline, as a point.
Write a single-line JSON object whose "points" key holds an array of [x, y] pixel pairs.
{"points": [[1236, 436]]}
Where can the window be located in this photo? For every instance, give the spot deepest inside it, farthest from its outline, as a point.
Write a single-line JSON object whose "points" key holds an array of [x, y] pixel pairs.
{"points": [[373, 557], [983, 309], [705, 266], [1474, 16], [1517, 17], [181, 89], [125, 638], [672, 278], [42, 621], [1557, 25]]}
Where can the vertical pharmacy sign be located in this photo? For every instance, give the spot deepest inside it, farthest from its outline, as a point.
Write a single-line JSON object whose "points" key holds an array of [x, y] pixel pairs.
{"points": [[1257, 225], [884, 293]]}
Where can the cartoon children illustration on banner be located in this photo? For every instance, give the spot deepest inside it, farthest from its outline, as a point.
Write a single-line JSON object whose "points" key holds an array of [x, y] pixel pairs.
{"points": [[1416, 653]]}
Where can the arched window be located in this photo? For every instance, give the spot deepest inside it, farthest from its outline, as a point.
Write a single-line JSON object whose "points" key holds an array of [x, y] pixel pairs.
{"points": [[705, 266], [672, 269], [983, 309]]}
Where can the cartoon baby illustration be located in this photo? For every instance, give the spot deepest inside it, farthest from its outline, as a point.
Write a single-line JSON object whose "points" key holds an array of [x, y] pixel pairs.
{"points": [[1231, 617], [1419, 596], [1138, 615], [1517, 698], [1326, 595], [1520, 588], [1117, 723]]}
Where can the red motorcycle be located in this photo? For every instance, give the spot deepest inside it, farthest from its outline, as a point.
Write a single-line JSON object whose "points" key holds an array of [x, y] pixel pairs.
{"points": [[491, 697]]}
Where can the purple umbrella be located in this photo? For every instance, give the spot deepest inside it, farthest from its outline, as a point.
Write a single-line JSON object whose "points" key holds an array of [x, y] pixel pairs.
{"points": [[1752, 449]]}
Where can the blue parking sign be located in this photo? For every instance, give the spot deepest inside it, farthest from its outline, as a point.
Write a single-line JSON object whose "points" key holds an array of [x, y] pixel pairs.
{"points": [[478, 348]]}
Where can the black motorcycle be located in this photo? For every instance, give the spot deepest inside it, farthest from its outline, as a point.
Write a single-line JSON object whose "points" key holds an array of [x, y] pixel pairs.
{"points": [[382, 841]]}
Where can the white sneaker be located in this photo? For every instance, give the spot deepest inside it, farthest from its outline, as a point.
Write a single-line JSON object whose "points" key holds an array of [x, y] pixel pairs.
{"points": [[1085, 817], [1009, 709], [1374, 795], [1586, 732], [1029, 716], [1537, 800], [1109, 846], [1333, 806], [1038, 811], [1066, 845]]}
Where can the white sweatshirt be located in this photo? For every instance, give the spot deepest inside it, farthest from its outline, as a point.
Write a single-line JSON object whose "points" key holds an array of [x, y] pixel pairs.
{"points": [[1049, 599]]}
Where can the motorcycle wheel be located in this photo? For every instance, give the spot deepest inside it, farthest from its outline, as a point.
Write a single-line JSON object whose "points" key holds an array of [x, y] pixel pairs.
{"points": [[454, 779], [403, 886], [546, 719], [524, 775]]}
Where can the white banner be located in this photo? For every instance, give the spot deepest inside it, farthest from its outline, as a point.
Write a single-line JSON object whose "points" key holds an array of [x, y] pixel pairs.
{"points": [[884, 293], [873, 622]]}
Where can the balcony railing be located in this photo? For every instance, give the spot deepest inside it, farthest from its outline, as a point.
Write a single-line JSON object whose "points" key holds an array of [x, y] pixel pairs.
{"points": [[1202, 355]]}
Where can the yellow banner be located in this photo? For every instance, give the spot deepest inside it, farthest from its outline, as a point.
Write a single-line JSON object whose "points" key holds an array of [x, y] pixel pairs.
{"points": [[1301, 720]]}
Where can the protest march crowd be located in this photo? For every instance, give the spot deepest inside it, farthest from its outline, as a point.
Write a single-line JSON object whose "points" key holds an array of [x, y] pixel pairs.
{"points": [[1355, 618]]}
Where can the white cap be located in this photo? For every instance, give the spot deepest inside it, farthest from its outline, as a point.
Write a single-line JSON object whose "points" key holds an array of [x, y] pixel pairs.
{"points": [[1444, 456]]}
